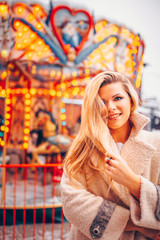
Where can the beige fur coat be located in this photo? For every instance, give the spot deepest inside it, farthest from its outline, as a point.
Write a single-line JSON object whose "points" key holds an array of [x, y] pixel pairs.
{"points": [[94, 215]]}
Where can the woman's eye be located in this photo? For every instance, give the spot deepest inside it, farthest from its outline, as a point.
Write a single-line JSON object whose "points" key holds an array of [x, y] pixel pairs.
{"points": [[117, 98]]}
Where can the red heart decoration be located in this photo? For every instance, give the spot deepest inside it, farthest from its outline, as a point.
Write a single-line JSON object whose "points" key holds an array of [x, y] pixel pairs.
{"points": [[73, 12]]}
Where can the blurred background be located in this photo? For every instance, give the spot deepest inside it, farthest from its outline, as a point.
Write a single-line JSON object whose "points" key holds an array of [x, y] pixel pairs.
{"points": [[49, 51], [141, 17]]}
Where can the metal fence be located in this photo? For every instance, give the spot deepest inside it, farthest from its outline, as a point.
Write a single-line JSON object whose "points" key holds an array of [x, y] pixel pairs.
{"points": [[30, 205]]}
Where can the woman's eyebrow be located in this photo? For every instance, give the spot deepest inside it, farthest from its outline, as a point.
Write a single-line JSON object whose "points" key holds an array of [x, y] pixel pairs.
{"points": [[115, 95]]}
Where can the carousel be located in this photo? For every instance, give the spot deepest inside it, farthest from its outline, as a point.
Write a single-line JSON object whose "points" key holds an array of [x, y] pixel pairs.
{"points": [[46, 60]]}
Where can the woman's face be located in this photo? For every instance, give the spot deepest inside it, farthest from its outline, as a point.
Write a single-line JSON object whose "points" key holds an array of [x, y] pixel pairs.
{"points": [[118, 105]]}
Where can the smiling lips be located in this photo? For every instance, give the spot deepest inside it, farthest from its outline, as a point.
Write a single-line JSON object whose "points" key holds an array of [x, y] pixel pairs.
{"points": [[114, 116]]}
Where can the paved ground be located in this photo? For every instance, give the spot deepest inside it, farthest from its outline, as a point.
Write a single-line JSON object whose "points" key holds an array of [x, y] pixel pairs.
{"points": [[58, 234]]}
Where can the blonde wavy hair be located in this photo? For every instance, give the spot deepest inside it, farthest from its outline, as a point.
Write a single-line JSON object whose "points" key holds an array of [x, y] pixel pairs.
{"points": [[93, 138]]}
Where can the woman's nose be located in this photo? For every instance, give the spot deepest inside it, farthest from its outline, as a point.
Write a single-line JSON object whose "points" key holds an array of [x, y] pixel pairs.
{"points": [[111, 106]]}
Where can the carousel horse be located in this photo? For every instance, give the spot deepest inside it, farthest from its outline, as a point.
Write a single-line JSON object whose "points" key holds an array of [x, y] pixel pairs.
{"points": [[52, 142]]}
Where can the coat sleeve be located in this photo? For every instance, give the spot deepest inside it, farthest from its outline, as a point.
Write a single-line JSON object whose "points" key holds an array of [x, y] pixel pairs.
{"points": [[94, 216], [146, 213]]}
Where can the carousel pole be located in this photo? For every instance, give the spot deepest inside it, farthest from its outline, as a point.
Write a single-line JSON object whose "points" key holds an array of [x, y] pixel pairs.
{"points": [[59, 105], [5, 139], [4, 54]]}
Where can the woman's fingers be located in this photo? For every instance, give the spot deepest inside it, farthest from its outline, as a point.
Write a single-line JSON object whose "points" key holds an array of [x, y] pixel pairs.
{"points": [[108, 159], [117, 168], [111, 161], [110, 155]]}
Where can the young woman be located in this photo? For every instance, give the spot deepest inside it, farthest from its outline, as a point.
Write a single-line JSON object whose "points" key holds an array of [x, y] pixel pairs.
{"points": [[111, 181]]}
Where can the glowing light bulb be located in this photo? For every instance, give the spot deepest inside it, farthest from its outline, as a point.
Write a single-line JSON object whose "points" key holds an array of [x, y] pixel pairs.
{"points": [[4, 53]]}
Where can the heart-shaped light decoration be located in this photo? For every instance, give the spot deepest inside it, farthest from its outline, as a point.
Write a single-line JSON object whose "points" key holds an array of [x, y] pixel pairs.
{"points": [[66, 21]]}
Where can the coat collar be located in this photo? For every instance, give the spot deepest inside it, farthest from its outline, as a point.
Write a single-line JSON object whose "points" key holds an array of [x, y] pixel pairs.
{"points": [[138, 121], [136, 151]]}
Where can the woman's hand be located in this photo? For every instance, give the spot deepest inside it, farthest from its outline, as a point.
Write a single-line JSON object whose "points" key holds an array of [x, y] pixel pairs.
{"points": [[120, 172]]}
